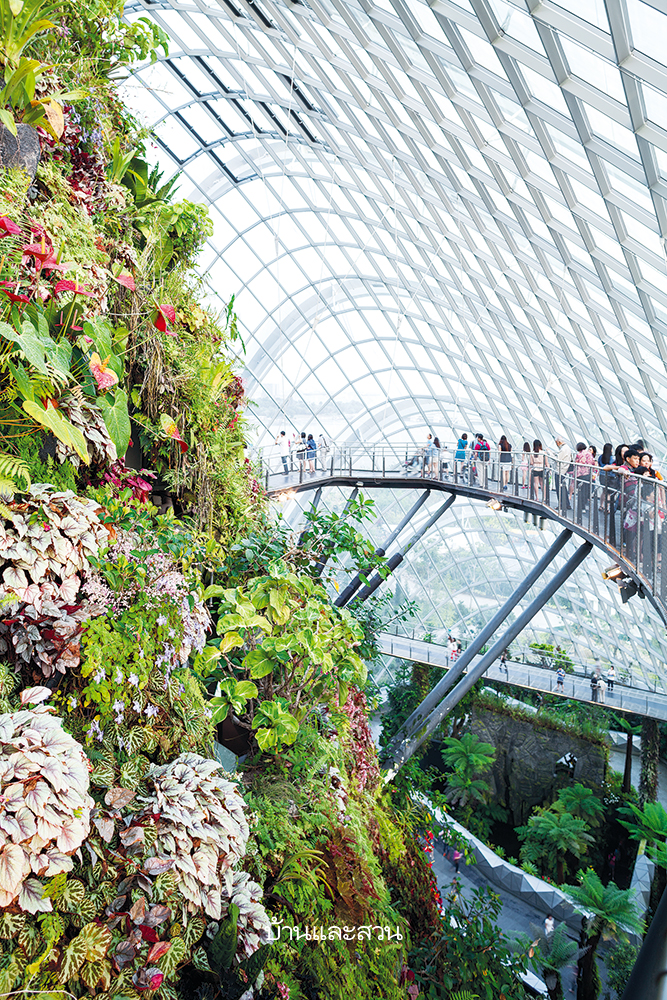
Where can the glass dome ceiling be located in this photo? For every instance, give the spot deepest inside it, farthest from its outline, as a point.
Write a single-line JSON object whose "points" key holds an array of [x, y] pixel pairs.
{"points": [[440, 214], [435, 215]]}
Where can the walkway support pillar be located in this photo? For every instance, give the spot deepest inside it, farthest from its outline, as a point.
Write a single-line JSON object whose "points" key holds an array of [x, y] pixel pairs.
{"points": [[414, 721], [401, 754], [353, 586], [399, 556]]}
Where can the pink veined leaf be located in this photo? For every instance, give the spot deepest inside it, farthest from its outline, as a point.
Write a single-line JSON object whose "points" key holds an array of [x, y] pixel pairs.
{"points": [[58, 863], [105, 827], [27, 827], [156, 915], [33, 695], [71, 837], [118, 798], [157, 866], [13, 866], [37, 797], [15, 579], [71, 286], [159, 949], [138, 911], [126, 280], [133, 835], [69, 588], [31, 897]]}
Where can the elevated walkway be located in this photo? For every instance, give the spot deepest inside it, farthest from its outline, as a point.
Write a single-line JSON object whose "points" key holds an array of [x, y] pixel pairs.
{"points": [[623, 699], [627, 534]]}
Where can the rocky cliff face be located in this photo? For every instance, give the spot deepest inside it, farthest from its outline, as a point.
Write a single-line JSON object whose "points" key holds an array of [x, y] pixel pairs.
{"points": [[527, 769]]}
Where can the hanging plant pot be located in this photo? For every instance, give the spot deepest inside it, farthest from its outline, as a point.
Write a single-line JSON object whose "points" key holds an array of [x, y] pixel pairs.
{"points": [[233, 737], [21, 150]]}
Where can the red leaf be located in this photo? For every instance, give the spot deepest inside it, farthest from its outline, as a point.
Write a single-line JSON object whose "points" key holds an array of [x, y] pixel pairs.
{"points": [[159, 949], [168, 312], [14, 296], [7, 227], [126, 280], [71, 286], [148, 933]]}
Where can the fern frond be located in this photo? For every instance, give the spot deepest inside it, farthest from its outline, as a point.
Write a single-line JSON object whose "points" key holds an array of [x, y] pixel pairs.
{"points": [[12, 468]]}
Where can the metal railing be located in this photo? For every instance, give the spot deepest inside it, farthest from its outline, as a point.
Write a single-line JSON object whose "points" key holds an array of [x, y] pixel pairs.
{"points": [[624, 510]]}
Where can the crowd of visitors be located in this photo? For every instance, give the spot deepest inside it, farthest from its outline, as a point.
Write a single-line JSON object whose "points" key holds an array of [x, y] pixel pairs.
{"points": [[299, 450]]}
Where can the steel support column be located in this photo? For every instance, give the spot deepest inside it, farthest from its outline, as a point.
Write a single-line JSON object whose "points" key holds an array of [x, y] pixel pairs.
{"points": [[399, 556], [648, 979], [403, 753], [354, 584], [414, 721]]}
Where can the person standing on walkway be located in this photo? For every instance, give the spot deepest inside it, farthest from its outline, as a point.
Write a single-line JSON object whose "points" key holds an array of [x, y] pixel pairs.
{"points": [[503, 660], [460, 454], [435, 459], [563, 468], [482, 454], [560, 677], [538, 465], [525, 466], [549, 924], [311, 452], [584, 464], [302, 451], [456, 859], [505, 461], [283, 446], [602, 687], [594, 687], [611, 677]]}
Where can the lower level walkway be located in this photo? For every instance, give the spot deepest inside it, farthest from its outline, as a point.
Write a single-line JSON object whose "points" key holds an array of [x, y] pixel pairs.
{"points": [[622, 698]]}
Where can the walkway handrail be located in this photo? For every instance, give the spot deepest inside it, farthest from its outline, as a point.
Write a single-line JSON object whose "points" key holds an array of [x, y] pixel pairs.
{"points": [[620, 511]]}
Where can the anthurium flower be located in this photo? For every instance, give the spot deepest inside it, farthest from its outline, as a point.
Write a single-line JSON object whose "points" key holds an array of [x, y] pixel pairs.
{"points": [[15, 296], [165, 313], [126, 280], [40, 251], [71, 286], [7, 227], [170, 428], [102, 374]]}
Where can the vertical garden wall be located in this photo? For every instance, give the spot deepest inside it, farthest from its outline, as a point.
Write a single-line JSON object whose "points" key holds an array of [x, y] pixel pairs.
{"points": [[149, 602]]}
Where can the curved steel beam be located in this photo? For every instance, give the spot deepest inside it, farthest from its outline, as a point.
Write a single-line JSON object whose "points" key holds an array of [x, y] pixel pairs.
{"points": [[507, 500]]}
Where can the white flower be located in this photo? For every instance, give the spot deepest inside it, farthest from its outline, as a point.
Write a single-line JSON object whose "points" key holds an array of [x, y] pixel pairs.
{"points": [[151, 710], [161, 620], [96, 731], [136, 705], [72, 702], [118, 677], [100, 675], [133, 679]]}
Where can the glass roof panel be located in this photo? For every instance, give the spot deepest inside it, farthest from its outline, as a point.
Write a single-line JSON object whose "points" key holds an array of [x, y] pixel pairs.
{"points": [[434, 217]]}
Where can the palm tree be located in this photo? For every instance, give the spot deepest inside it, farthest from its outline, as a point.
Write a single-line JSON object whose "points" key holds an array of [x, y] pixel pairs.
{"points": [[615, 914], [548, 832], [650, 824], [581, 802], [549, 954], [469, 757]]}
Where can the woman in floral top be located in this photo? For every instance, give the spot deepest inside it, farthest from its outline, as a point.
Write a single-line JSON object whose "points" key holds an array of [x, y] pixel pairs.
{"points": [[584, 462]]}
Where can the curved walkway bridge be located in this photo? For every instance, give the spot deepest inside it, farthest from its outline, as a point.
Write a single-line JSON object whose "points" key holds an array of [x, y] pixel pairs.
{"points": [[622, 515]]}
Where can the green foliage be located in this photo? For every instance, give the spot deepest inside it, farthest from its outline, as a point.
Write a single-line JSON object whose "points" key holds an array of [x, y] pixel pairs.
{"points": [[619, 962], [581, 802], [614, 909], [549, 954], [469, 953], [554, 656], [550, 835], [650, 824]]}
